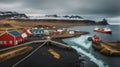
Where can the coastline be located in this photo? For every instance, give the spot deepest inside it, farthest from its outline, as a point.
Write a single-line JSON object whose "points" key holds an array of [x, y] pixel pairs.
{"points": [[54, 36], [108, 48]]}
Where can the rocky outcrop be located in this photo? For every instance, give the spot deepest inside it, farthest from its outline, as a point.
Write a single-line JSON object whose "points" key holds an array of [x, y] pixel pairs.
{"points": [[108, 48], [103, 22]]}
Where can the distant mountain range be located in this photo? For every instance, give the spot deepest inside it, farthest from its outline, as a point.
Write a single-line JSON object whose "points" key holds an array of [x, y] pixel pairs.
{"points": [[16, 15], [66, 16], [11, 15], [55, 16]]}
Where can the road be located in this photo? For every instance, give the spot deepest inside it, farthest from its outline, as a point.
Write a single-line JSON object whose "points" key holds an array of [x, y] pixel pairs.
{"points": [[40, 57]]}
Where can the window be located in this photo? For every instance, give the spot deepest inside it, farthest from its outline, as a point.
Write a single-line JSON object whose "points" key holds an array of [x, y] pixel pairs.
{"points": [[34, 32], [4, 42], [20, 40], [16, 42], [10, 41], [0, 42]]}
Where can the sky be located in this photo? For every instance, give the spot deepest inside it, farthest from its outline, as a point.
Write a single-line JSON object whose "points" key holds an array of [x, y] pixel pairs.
{"points": [[88, 9]]}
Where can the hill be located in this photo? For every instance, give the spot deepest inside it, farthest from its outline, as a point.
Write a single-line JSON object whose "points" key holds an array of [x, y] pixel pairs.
{"points": [[57, 22], [8, 25]]}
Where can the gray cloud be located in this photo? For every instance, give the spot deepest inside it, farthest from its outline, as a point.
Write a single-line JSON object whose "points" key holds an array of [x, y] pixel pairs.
{"points": [[97, 7]]}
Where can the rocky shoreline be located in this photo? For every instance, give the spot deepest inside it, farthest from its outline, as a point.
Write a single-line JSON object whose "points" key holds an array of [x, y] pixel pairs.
{"points": [[108, 48]]}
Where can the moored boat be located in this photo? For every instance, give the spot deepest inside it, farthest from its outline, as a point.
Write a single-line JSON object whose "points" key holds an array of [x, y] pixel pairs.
{"points": [[103, 30]]}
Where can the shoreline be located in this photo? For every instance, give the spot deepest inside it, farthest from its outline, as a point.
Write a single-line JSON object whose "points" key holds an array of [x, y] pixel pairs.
{"points": [[67, 35], [108, 48]]}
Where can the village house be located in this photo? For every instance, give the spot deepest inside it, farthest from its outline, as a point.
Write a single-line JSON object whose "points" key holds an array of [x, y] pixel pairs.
{"points": [[10, 38], [60, 31], [37, 31], [71, 32], [46, 32], [24, 37], [27, 32]]}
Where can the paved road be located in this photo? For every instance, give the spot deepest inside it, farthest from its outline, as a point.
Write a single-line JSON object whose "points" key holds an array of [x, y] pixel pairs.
{"points": [[40, 46], [40, 57]]}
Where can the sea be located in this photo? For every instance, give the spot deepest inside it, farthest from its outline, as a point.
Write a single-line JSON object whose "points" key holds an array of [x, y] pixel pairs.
{"points": [[84, 47]]}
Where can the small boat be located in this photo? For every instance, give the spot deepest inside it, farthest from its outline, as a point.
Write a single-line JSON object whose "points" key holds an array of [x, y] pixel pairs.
{"points": [[103, 30]]}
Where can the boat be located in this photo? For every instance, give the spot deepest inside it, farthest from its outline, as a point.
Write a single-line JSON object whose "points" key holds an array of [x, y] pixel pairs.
{"points": [[103, 30]]}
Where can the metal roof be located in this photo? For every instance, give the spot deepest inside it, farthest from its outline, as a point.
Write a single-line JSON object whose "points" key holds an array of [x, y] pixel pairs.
{"points": [[15, 33]]}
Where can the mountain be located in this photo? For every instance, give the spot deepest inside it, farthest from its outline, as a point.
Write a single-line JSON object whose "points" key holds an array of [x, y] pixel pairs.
{"points": [[73, 16], [12, 15], [55, 15]]}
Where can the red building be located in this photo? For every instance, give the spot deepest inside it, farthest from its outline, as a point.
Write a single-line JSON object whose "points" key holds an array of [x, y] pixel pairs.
{"points": [[55, 33], [10, 38], [27, 31], [24, 37]]}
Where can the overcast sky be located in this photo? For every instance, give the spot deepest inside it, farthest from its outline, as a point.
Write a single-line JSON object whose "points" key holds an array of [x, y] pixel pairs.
{"points": [[91, 9]]}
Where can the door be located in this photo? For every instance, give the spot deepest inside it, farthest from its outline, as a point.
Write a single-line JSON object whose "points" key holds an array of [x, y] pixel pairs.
{"points": [[16, 42]]}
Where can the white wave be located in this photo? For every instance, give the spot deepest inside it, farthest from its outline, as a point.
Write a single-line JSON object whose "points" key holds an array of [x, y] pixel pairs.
{"points": [[83, 41], [92, 58]]}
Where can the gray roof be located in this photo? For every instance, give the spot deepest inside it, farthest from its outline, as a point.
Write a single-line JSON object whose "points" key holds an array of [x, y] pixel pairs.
{"points": [[15, 33]]}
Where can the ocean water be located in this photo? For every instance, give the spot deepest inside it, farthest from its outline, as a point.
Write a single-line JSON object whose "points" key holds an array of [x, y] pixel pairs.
{"points": [[83, 46], [115, 36]]}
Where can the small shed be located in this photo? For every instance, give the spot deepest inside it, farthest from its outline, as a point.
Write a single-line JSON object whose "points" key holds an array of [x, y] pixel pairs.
{"points": [[71, 32]]}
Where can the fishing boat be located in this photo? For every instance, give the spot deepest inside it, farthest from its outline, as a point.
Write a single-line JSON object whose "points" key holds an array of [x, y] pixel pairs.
{"points": [[103, 30]]}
